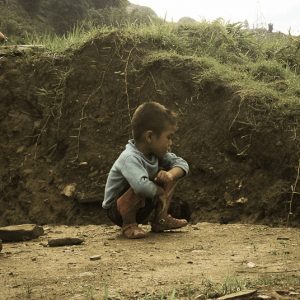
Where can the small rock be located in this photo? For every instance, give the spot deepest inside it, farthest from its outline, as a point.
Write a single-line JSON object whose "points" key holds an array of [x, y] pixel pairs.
{"points": [[20, 149], [86, 274], [33, 258], [14, 286], [242, 200], [69, 190], [65, 242], [277, 296], [17, 233], [238, 295], [95, 257], [196, 251], [263, 297], [93, 174], [282, 292], [251, 265]]}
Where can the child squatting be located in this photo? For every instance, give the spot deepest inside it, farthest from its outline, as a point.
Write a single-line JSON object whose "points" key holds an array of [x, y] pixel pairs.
{"points": [[142, 180]]}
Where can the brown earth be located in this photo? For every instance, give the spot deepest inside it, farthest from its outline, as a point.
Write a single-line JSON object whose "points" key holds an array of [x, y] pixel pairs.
{"points": [[65, 119], [207, 259]]}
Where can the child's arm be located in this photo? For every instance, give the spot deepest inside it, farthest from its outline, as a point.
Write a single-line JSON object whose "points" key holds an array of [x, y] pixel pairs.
{"points": [[170, 175], [175, 165], [177, 172], [137, 177]]}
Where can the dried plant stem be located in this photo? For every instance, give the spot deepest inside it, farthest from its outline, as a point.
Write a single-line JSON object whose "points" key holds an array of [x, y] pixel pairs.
{"points": [[293, 187], [40, 134], [126, 82], [238, 112], [82, 116]]}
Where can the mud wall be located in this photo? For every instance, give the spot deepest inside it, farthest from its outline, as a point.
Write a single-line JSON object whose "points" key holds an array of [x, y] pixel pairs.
{"points": [[64, 120]]}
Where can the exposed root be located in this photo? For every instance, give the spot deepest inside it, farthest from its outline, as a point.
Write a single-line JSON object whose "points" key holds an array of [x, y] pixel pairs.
{"points": [[82, 117], [126, 82], [38, 136], [237, 114], [293, 187]]}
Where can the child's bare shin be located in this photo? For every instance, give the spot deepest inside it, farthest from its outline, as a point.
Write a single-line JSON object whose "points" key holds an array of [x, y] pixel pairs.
{"points": [[128, 205]]}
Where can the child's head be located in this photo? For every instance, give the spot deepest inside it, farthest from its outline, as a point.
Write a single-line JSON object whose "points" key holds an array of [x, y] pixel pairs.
{"points": [[151, 116], [154, 124]]}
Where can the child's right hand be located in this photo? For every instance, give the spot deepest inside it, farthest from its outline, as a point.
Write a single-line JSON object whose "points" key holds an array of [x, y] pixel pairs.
{"points": [[160, 191], [164, 177]]}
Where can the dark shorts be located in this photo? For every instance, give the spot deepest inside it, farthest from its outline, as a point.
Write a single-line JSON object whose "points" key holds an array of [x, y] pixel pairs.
{"points": [[142, 215]]}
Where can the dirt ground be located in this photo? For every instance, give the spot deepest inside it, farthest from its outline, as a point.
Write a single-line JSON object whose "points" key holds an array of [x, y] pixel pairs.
{"points": [[202, 259]]}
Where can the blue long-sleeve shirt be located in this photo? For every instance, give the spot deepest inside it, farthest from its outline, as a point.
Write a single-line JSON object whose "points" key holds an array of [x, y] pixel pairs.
{"points": [[133, 169]]}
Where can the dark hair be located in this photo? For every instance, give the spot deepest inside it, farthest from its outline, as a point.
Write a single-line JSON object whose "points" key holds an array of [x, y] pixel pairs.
{"points": [[151, 116]]}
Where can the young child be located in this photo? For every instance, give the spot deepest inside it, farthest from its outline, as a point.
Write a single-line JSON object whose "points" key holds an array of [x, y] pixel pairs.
{"points": [[144, 176]]}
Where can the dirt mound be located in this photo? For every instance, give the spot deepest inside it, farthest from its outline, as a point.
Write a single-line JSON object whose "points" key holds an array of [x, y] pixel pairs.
{"points": [[65, 119]]}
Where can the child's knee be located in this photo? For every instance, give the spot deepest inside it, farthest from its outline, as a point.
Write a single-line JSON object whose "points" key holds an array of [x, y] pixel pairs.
{"points": [[129, 201]]}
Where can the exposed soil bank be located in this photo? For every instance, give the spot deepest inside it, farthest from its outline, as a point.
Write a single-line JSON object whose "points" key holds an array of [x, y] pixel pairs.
{"points": [[65, 119]]}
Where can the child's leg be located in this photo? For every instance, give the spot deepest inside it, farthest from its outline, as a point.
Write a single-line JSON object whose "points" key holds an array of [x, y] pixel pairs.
{"points": [[164, 221], [128, 205], [163, 202]]}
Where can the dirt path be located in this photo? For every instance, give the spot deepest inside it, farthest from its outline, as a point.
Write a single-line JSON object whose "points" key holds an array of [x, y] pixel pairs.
{"points": [[206, 259]]}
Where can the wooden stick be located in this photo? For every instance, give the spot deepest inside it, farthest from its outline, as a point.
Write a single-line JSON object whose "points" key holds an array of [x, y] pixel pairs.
{"points": [[292, 195]]}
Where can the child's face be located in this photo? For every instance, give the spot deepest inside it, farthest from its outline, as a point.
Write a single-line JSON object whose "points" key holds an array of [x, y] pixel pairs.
{"points": [[160, 145]]}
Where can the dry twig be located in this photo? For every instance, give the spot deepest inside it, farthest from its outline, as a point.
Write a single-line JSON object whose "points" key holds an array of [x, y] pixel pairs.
{"points": [[293, 187], [82, 116], [40, 134], [126, 82]]}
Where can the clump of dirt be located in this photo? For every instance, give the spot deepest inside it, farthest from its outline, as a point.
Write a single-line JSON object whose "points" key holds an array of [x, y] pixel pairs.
{"points": [[65, 119]]}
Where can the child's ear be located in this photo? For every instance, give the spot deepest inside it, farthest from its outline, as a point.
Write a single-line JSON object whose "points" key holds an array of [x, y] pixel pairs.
{"points": [[148, 136]]}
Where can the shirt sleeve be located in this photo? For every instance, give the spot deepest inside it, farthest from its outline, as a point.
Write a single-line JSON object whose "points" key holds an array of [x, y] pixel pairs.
{"points": [[170, 160], [137, 176]]}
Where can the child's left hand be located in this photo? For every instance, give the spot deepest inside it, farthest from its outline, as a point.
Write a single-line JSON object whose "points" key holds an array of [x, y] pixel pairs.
{"points": [[164, 177]]}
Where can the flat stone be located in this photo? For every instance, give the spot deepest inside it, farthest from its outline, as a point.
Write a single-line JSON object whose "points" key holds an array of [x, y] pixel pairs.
{"points": [[263, 297], [17, 233], [86, 274], [95, 257], [238, 295], [67, 241]]}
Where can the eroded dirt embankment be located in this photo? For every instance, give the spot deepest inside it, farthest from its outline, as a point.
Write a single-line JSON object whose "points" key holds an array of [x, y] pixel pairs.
{"points": [[65, 119]]}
